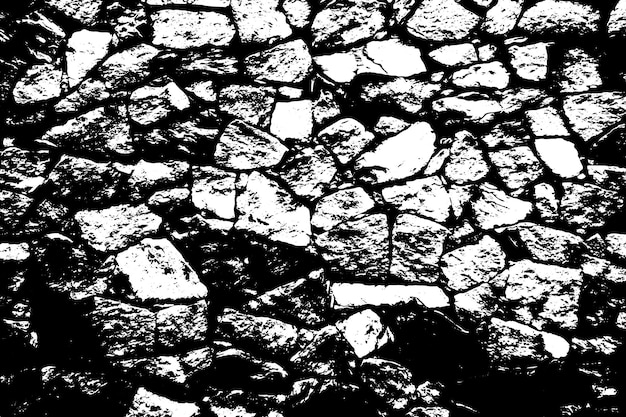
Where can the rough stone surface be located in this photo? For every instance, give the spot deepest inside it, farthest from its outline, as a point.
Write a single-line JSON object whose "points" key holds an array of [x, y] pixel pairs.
{"points": [[441, 20], [287, 63], [182, 29], [560, 17]]}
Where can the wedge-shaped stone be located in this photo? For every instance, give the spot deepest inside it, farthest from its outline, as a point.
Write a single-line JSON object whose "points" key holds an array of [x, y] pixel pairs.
{"points": [[157, 273], [244, 147], [365, 332], [85, 50]]}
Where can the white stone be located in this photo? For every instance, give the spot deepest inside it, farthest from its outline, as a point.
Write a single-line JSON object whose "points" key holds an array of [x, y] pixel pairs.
{"points": [[546, 202], [298, 12], [365, 332], [42, 82], [260, 21], [292, 120], [157, 273], [616, 25], [455, 55], [402, 155], [555, 345], [204, 90], [590, 114], [356, 295], [424, 196], [182, 29], [14, 252], [340, 206], [502, 17], [530, 61], [395, 58], [561, 156], [488, 75], [340, 67], [546, 122], [148, 404], [153, 103], [495, 208], [560, 17], [213, 190], [580, 71], [85, 49], [287, 63], [441, 20]]}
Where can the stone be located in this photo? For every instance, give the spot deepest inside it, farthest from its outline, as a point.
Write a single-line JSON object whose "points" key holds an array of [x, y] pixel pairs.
{"points": [[495, 208], [477, 303], [340, 206], [298, 12], [517, 167], [328, 355], [560, 17], [616, 26], [292, 120], [586, 206], [346, 138], [389, 381], [579, 72], [385, 55], [474, 264], [89, 92], [530, 62], [510, 344], [309, 172], [455, 55], [389, 126], [180, 325], [128, 67], [148, 404], [83, 181], [263, 334], [545, 244], [468, 107], [147, 177], [168, 202], [14, 252], [208, 62], [157, 101], [488, 75], [429, 412], [325, 107], [546, 202], [506, 135], [400, 156], [616, 245], [122, 329], [213, 190], [305, 301], [347, 22], [347, 296], [603, 271], [441, 20], [268, 210], [127, 21], [560, 156], [244, 147], [23, 170], [184, 29], [501, 18], [85, 49], [466, 162], [406, 94], [204, 90], [85, 12], [365, 332], [607, 176], [357, 248], [590, 114], [544, 296], [515, 99], [42, 82], [287, 63], [260, 22], [546, 122], [249, 103], [117, 227], [416, 247], [426, 197], [155, 272]]}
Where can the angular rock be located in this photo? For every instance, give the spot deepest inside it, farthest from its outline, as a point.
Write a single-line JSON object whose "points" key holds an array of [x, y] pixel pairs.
{"points": [[123, 330], [213, 190], [309, 172], [495, 208], [616, 26], [287, 63], [389, 381], [298, 12], [546, 122], [249, 103], [544, 296], [149, 404], [184, 29], [488, 75], [347, 22], [268, 210], [14, 252], [506, 135], [85, 12], [22, 170], [328, 355], [476, 304], [560, 156], [407, 94], [441, 20], [560, 17], [590, 114], [207, 63], [340, 206], [501, 18], [325, 107], [167, 202], [149, 176], [616, 245], [602, 270], [155, 272], [292, 120], [204, 90], [386, 53], [417, 245], [530, 62], [346, 296], [89, 92], [357, 248], [546, 202], [469, 107], [85, 49], [42, 82], [400, 156], [259, 22], [426, 197], [266, 335], [365, 332], [128, 67], [117, 227], [580, 71], [470, 265], [244, 147], [517, 167], [346, 138], [157, 101], [181, 325], [586, 206], [455, 55], [545, 244]]}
